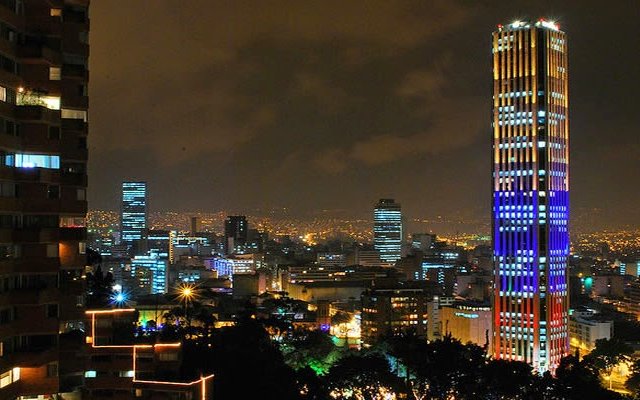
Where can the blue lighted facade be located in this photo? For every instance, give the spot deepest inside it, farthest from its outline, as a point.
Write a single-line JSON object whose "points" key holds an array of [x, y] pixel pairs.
{"points": [[387, 230], [133, 218], [157, 266], [530, 193]]}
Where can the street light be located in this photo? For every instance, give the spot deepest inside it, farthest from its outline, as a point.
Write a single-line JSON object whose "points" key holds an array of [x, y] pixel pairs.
{"points": [[119, 298], [186, 293]]}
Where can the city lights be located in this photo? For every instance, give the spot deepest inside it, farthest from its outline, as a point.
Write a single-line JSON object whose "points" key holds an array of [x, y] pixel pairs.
{"points": [[292, 199]]}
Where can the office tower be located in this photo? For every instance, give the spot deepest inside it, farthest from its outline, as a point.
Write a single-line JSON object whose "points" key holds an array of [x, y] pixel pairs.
{"points": [[152, 271], [43, 126], [387, 230], [133, 217], [424, 242], [235, 232], [194, 226], [364, 258], [530, 193]]}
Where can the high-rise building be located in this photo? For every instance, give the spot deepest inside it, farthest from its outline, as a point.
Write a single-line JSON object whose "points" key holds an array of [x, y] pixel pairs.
{"points": [[156, 281], [387, 230], [530, 193], [133, 218], [43, 157], [235, 232]]}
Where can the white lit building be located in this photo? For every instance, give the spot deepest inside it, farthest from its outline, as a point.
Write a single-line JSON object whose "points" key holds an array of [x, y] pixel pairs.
{"points": [[387, 230], [585, 332]]}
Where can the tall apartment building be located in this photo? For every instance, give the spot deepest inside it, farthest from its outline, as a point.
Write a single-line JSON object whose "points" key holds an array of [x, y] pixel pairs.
{"points": [[387, 230], [235, 233], [395, 310], [133, 217], [43, 156], [530, 193]]}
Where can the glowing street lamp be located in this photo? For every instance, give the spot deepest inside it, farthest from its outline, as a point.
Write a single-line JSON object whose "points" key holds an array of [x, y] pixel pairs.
{"points": [[186, 294], [119, 298]]}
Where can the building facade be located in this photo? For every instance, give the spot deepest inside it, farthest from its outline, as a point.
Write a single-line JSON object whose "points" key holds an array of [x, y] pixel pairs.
{"points": [[152, 269], [133, 217], [468, 323], [121, 366], [395, 311], [530, 193], [235, 233], [584, 333], [43, 154], [387, 230]]}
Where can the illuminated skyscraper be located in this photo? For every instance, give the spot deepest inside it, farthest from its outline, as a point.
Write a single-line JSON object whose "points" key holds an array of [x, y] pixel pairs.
{"points": [[387, 230], [157, 279], [530, 193], [133, 218]]}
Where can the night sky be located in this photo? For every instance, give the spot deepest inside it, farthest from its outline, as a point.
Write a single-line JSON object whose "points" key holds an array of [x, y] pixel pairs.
{"points": [[332, 104]]}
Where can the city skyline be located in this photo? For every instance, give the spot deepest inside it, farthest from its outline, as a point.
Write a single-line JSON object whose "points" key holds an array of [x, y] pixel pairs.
{"points": [[308, 127], [317, 100]]}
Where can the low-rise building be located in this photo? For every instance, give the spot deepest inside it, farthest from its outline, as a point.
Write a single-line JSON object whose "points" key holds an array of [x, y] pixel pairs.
{"points": [[396, 310], [468, 322], [120, 367], [585, 332]]}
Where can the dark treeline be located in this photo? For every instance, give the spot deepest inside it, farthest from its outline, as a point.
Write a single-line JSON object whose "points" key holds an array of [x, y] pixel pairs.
{"points": [[269, 359]]}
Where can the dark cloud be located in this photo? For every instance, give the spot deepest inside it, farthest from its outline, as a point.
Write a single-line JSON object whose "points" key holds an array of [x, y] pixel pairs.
{"points": [[332, 104]]}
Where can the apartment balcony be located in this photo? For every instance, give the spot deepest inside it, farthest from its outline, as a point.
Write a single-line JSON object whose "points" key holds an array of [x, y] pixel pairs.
{"points": [[30, 324], [73, 207], [30, 296], [33, 386], [74, 125], [7, 47], [73, 234], [55, 206], [10, 204], [73, 101], [108, 382], [35, 235], [31, 264], [9, 78], [45, 25], [39, 52], [37, 113], [29, 359], [11, 17], [75, 71], [68, 178], [74, 153]]}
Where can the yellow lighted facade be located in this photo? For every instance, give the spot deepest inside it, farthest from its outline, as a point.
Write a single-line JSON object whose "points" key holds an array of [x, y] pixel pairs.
{"points": [[530, 193]]}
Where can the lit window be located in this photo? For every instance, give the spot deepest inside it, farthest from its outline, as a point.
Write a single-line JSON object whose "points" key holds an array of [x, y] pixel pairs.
{"points": [[55, 73], [33, 161], [56, 12], [9, 377], [52, 250], [89, 374], [74, 114], [27, 98], [72, 222]]}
